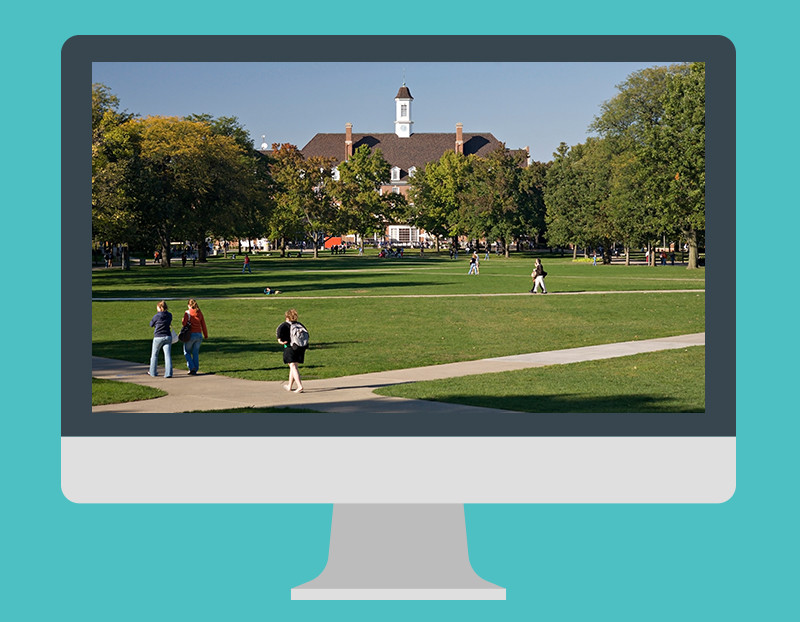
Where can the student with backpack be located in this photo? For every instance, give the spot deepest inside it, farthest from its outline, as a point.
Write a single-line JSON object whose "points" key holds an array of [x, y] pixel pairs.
{"points": [[293, 336]]}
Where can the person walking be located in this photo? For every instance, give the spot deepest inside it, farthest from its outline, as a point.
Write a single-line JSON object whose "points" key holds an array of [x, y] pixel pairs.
{"points": [[294, 351], [473, 264], [191, 348], [538, 275], [246, 265], [162, 340]]}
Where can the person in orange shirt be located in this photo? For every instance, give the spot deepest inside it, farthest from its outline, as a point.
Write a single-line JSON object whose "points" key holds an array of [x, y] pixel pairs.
{"points": [[191, 348]]}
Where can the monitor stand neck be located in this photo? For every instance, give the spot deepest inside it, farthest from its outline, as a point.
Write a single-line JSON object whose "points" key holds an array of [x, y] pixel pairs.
{"points": [[398, 552]]}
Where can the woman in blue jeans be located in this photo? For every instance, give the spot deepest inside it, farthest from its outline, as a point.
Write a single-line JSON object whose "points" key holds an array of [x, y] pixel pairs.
{"points": [[162, 340], [191, 348]]}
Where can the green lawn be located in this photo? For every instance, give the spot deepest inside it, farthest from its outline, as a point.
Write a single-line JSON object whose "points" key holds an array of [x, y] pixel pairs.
{"points": [[668, 381], [362, 315], [114, 392], [350, 275]]}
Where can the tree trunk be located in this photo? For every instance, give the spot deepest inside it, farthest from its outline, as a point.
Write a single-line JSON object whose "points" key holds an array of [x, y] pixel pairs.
{"points": [[627, 255], [574, 252], [165, 248], [691, 240], [126, 258], [201, 251]]}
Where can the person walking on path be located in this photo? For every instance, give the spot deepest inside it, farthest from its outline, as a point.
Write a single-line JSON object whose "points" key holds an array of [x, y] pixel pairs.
{"points": [[162, 340], [246, 265], [290, 336], [538, 275], [191, 348], [473, 264]]}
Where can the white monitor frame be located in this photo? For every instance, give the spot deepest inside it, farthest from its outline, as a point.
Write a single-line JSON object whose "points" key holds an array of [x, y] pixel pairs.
{"points": [[578, 457]]}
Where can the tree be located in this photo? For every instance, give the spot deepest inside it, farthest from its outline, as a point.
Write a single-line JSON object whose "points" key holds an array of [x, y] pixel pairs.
{"points": [[493, 204], [362, 209], [655, 126], [163, 177], [674, 157], [436, 194], [560, 196], [239, 200], [532, 184], [303, 194], [578, 197]]}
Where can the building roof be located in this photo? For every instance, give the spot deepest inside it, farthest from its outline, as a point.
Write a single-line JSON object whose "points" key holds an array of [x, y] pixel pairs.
{"points": [[403, 93], [416, 150]]}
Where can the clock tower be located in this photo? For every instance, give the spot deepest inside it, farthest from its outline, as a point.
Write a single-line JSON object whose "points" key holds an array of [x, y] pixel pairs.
{"points": [[402, 117]]}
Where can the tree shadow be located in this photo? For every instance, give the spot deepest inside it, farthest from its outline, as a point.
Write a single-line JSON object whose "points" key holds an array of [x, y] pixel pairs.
{"points": [[568, 403]]}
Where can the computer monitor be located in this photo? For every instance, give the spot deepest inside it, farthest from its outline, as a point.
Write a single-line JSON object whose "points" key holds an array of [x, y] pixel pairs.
{"points": [[398, 527]]}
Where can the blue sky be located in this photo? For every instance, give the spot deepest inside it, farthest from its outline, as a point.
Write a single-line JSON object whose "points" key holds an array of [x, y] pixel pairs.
{"points": [[523, 104]]}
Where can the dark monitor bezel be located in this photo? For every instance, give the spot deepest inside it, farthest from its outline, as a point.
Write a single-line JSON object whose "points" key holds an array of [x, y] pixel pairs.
{"points": [[78, 54]]}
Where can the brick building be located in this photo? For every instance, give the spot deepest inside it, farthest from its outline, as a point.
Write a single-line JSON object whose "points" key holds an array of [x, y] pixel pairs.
{"points": [[405, 151]]}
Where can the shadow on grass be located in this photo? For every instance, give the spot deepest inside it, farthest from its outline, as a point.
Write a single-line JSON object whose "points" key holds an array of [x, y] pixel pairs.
{"points": [[562, 403], [296, 284]]}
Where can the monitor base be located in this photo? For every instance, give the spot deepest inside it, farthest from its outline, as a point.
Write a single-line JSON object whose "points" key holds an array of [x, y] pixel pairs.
{"points": [[398, 552]]}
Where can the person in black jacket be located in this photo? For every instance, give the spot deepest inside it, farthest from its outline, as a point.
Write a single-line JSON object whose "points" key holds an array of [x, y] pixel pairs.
{"points": [[538, 275], [162, 340], [292, 354]]}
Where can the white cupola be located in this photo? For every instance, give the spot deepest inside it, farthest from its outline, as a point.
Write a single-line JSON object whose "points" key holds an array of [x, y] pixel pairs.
{"points": [[402, 116]]}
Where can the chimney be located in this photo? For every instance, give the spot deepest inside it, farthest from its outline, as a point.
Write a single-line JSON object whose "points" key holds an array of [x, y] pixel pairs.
{"points": [[459, 139], [348, 141]]}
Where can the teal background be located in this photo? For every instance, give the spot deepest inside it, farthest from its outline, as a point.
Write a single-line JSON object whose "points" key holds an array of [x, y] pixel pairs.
{"points": [[735, 561]]}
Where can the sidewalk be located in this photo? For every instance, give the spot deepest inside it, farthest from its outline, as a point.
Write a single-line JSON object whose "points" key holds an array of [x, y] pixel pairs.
{"points": [[349, 394]]}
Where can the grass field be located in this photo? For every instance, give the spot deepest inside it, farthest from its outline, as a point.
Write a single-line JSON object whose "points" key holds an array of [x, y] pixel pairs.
{"points": [[366, 314], [113, 392], [666, 381]]}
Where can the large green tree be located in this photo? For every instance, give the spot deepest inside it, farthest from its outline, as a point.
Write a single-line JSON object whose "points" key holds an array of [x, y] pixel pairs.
{"points": [[362, 209], [165, 178], [493, 204], [240, 209], [674, 157], [578, 197], [436, 192], [303, 195], [655, 128]]}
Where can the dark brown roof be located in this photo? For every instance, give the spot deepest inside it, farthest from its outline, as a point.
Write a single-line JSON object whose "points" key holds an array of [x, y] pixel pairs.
{"points": [[416, 150], [403, 93]]}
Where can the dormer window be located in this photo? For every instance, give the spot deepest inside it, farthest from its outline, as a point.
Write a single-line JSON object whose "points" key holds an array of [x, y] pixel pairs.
{"points": [[395, 173], [335, 173], [411, 171]]}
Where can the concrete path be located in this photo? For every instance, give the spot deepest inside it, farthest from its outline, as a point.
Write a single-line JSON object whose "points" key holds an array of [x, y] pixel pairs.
{"points": [[349, 394]]}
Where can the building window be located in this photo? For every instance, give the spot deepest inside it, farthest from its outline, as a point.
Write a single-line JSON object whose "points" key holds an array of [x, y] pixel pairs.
{"points": [[335, 173], [411, 171], [403, 110], [395, 189], [395, 173]]}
